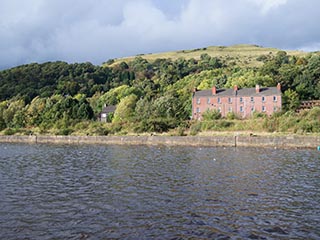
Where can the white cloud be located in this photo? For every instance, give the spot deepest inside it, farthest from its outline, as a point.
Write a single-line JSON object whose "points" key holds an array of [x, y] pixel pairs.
{"points": [[267, 5]]}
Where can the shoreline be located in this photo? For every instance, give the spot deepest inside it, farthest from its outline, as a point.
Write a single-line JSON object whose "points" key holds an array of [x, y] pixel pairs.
{"points": [[210, 141]]}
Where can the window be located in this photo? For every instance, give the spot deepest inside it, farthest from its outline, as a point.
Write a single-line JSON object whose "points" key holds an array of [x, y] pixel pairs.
{"points": [[274, 98], [241, 109], [198, 110], [219, 100], [275, 109], [230, 109], [208, 100], [252, 109], [198, 100], [251, 99], [230, 100], [219, 109], [241, 99], [263, 108], [263, 99]]}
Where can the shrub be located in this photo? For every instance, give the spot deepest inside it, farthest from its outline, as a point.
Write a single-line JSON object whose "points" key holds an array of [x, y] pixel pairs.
{"points": [[195, 128], [9, 131], [256, 115], [232, 116], [211, 115], [98, 129], [208, 125], [271, 124], [115, 128], [288, 122], [217, 125], [180, 131], [309, 126], [64, 131], [314, 114]]}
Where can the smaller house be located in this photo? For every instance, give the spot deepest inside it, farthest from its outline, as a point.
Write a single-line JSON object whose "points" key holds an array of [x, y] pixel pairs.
{"points": [[106, 111]]}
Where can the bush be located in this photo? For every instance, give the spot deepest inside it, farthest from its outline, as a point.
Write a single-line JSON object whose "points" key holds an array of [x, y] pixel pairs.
{"points": [[309, 126], [271, 124], [64, 131], [288, 122], [115, 128], [180, 131], [232, 116], [155, 125], [216, 125], [98, 129], [256, 115], [195, 128], [313, 114], [211, 115], [9, 131]]}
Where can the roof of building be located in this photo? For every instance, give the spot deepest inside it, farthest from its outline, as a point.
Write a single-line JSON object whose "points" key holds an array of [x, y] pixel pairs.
{"points": [[264, 91], [108, 109]]}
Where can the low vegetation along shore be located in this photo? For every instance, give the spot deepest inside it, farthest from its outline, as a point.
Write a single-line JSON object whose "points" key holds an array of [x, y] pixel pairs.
{"points": [[304, 123]]}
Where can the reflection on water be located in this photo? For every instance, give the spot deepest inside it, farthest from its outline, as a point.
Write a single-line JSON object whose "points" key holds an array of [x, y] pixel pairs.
{"points": [[143, 192]]}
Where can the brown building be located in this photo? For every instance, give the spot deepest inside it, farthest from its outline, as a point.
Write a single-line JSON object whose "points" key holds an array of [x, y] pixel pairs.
{"points": [[242, 102]]}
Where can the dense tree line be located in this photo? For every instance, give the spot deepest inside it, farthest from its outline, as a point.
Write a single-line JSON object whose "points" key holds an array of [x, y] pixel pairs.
{"points": [[154, 96]]}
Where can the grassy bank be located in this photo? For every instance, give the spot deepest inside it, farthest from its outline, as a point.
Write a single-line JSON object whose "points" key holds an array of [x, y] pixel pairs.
{"points": [[305, 122]]}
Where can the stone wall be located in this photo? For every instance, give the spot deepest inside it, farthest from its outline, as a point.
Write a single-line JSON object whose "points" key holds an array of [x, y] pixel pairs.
{"points": [[218, 141]]}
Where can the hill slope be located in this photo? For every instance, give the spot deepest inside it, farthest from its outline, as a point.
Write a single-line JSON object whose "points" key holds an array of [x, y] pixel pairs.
{"points": [[242, 54], [153, 92]]}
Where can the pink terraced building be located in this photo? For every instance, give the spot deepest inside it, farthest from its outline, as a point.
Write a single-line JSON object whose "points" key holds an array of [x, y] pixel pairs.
{"points": [[241, 101]]}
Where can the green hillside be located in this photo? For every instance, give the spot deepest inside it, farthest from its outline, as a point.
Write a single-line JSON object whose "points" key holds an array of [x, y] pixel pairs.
{"points": [[153, 92], [242, 54]]}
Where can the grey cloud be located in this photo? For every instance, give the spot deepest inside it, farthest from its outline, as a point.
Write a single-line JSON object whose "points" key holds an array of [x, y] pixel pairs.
{"points": [[96, 30]]}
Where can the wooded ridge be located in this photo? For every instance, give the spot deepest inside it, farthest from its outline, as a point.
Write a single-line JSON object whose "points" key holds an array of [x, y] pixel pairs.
{"points": [[153, 92]]}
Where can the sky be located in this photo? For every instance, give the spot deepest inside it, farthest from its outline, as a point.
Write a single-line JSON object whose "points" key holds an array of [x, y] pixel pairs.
{"points": [[98, 30]]}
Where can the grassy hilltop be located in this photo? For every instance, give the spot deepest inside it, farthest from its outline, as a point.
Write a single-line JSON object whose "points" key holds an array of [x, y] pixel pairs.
{"points": [[241, 54]]}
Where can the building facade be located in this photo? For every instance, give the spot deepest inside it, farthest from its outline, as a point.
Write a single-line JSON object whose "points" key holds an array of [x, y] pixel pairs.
{"points": [[242, 102], [106, 110]]}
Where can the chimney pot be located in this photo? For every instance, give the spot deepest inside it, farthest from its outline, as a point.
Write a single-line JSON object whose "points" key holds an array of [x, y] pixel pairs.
{"points": [[214, 90], [257, 88], [235, 88], [279, 87]]}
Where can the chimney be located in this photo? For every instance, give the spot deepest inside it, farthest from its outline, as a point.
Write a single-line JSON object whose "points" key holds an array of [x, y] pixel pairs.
{"points": [[214, 90], [194, 90], [279, 87], [235, 88], [257, 88]]}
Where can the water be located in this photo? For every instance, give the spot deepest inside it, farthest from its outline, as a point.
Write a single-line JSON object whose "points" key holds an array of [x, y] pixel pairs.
{"points": [[144, 192]]}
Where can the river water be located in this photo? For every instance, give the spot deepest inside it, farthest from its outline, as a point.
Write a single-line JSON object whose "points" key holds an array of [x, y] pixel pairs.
{"points": [[158, 192]]}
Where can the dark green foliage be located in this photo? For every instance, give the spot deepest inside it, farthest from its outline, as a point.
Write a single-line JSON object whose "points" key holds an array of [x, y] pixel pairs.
{"points": [[50, 78], [291, 100], [211, 115], [156, 125]]}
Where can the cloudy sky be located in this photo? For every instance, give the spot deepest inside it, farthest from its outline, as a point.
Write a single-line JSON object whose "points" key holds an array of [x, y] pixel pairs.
{"points": [[97, 30]]}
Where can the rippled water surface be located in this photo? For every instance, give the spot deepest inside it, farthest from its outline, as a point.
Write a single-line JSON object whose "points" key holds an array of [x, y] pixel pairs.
{"points": [[144, 192]]}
